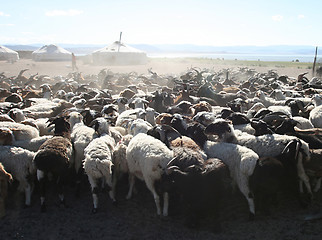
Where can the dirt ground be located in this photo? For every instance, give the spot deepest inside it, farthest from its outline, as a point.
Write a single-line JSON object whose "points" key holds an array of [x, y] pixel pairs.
{"points": [[160, 66], [136, 218]]}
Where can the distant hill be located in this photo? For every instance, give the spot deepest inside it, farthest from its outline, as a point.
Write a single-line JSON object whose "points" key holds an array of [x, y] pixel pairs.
{"points": [[186, 48], [22, 47]]}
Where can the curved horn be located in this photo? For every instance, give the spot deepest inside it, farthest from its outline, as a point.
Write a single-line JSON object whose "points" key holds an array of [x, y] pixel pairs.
{"points": [[172, 161], [172, 169]]}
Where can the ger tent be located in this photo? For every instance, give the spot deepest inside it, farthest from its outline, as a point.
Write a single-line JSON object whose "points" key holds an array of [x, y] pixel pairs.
{"points": [[51, 53], [8, 54], [119, 54]]}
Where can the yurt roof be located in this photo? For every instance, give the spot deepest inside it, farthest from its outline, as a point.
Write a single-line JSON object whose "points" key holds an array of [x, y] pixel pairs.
{"points": [[51, 49], [119, 47], [8, 54], [4, 49]]}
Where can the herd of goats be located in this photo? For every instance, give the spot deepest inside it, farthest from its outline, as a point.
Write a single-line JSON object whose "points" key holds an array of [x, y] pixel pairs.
{"points": [[190, 137]]}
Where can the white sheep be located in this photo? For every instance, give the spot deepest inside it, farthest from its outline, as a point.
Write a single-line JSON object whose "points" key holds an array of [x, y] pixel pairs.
{"points": [[45, 108], [126, 117], [254, 109], [316, 113], [81, 136], [121, 104], [21, 131], [268, 145], [147, 159], [138, 102], [240, 160], [303, 123], [139, 126], [268, 101], [19, 163], [17, 115], [150, 116], [98, 161], [44, 129], [283, 109], [32, 144], [119, 159]]}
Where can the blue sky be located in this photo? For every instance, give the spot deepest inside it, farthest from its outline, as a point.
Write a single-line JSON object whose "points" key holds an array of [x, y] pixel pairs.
{"points": [[200, 22]]}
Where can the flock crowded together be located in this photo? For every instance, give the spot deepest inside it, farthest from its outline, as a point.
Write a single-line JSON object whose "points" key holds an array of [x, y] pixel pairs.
{"points": [[192, 139]]}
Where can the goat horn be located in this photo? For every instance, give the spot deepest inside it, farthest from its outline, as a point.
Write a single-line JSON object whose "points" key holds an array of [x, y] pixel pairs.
{"points": [[172, 161], [171, 169]]}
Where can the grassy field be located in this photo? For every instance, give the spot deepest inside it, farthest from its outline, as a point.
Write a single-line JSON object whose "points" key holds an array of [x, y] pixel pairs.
{"points": [[239, 63]]}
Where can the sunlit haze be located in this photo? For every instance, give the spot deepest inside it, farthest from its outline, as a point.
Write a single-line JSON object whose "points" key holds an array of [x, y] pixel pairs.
{"points": [[202, 22]]}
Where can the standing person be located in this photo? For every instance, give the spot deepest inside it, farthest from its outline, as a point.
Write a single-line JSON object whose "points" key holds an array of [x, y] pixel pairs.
{"points": [[74, 62]]}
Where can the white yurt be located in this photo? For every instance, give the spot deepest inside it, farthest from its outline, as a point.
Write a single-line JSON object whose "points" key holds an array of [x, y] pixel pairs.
{"points": [[7, 54], [51, 53], [119, 54]]}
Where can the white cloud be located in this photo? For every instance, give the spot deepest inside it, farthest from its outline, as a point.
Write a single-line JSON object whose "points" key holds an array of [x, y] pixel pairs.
{"points": [[2, 14], [277, 18], [71, 12], [27, 33], [6, 24], [300, 16]]}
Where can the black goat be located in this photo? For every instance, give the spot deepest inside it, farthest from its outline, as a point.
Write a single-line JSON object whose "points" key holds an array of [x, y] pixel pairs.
{"points": [[201, 185], [287, 127], [274, 175]]}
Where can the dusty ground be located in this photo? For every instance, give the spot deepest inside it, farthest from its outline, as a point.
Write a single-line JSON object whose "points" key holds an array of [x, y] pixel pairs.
{"points": [[136, 218], [160, 66]]}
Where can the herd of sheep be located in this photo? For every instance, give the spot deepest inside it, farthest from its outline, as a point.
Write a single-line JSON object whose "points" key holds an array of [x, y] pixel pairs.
{"points": [[190, 137]]}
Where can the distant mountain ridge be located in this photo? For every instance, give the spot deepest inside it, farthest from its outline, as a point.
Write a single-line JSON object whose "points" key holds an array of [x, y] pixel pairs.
{"points": [[186, 48]]}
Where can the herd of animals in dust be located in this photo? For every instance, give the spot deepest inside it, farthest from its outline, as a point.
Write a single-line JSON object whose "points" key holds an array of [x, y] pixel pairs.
{"points": [[190, 138]]}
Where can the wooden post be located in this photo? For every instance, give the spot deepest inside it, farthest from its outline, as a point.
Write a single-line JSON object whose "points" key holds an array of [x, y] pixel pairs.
{"points": [[118, 49], [314, 62]]}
